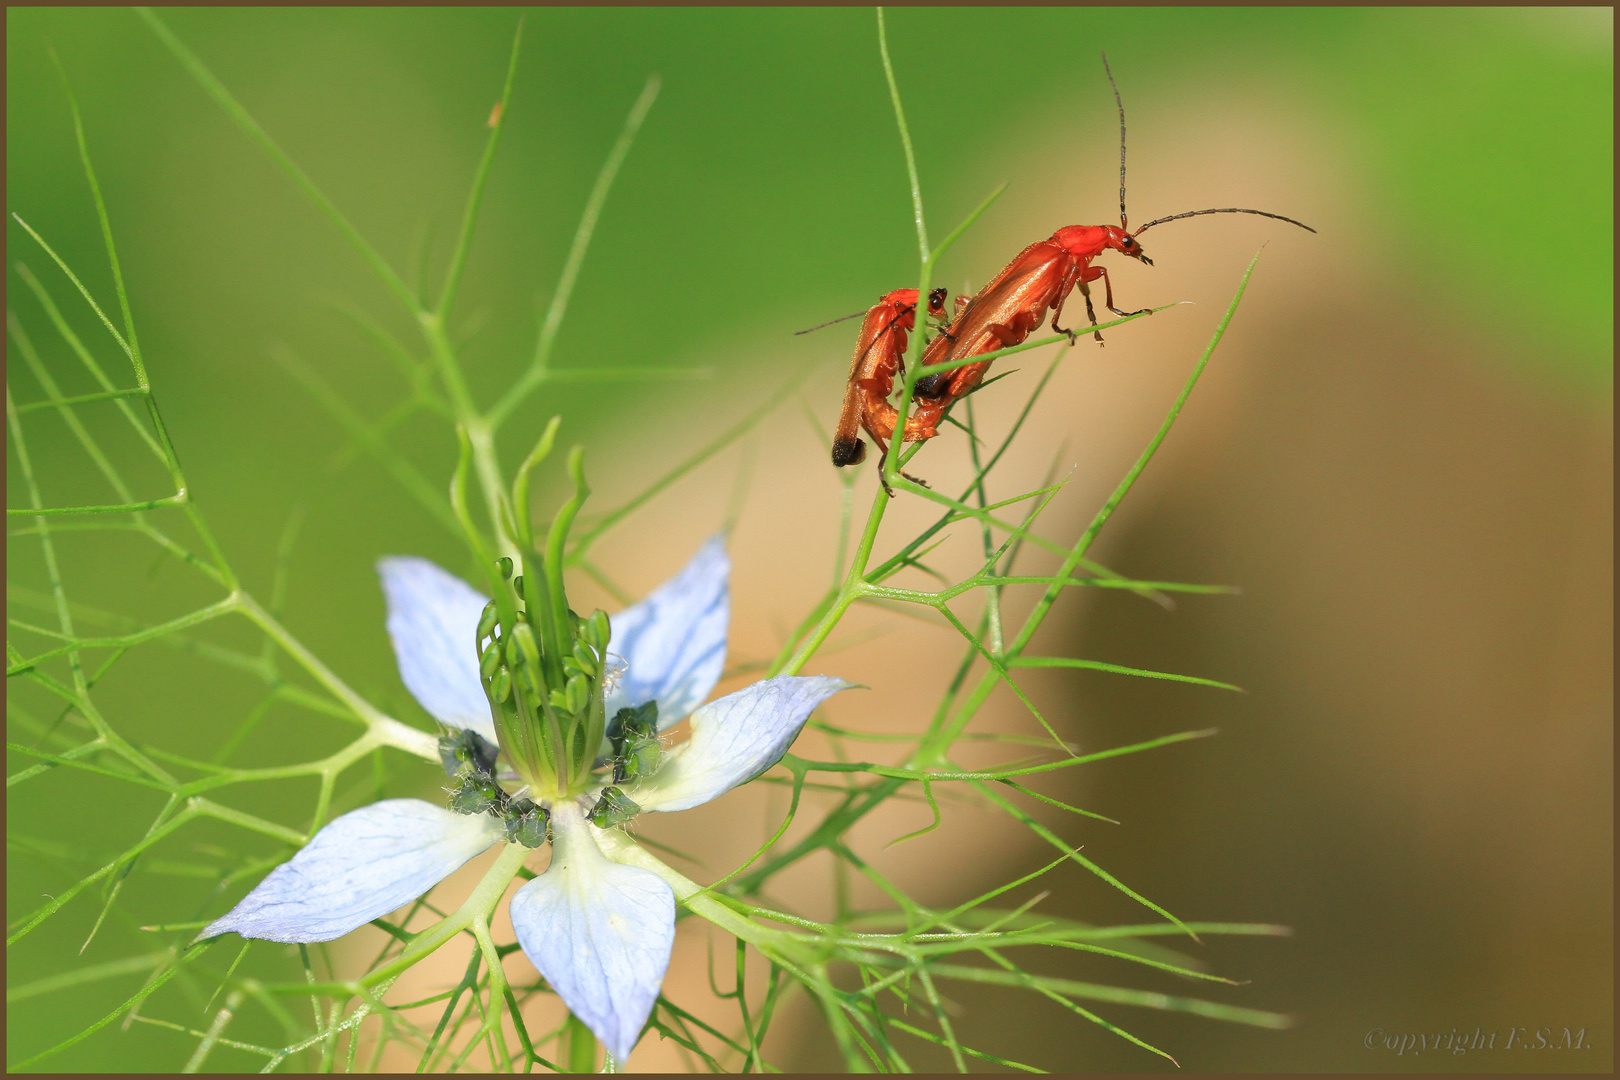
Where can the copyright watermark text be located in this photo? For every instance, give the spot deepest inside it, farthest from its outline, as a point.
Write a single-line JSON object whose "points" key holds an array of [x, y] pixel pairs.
{"points": [[1461, 1041]]}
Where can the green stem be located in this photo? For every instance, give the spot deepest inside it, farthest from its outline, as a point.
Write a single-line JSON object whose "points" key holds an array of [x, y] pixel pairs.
{"points": [[539, 370], [905, 142], [452, 277], [83, 399], [581, 1046], [853, 588], [386, 728], [499, 990], [698, 900], [476, 909]]}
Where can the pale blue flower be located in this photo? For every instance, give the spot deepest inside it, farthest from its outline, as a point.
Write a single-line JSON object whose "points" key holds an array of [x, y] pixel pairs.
{"points": [[598, 930]]}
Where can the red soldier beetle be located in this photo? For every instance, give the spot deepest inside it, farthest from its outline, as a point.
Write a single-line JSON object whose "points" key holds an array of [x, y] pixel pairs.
{"points": [[1014, 303], [878, 352]]}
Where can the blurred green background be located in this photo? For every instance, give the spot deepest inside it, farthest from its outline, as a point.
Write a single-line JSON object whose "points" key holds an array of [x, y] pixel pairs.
{"points": [[1409, 470]]}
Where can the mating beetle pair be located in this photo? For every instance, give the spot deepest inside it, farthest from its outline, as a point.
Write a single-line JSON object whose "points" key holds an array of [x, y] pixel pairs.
{"points": [[1003, 313]]}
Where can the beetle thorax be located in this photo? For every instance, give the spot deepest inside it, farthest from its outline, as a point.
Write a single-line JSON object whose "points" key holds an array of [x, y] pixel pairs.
{"points": [[1086, 242]]}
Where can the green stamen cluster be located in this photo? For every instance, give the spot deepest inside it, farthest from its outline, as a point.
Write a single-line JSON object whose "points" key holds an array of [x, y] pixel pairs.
{"points": [[470, 760], [636, 749], [637, 752], [613, 807]]}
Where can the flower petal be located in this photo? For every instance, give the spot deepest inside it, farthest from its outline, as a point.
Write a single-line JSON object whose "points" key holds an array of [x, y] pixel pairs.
{"points": [[599, 931], [432, 617], [734, 740], [675, 640], [361, 866]]}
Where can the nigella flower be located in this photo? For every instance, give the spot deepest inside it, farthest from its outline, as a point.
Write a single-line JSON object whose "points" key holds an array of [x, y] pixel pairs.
{"points": [[599, 931]]}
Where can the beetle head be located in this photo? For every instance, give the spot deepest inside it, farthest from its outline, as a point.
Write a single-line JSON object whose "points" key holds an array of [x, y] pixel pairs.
{"points": [[1124, 243]]}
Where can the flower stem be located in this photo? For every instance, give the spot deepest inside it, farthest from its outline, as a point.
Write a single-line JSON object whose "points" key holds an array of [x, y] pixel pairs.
{"points": [[476, 909], [386, 728], [698, 900], [499, 989], [854, 586], [581, 1047]]}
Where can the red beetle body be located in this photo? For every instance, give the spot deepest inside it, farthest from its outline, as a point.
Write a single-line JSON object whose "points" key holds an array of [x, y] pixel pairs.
{"points": [[878, 351], [1013, 304]]}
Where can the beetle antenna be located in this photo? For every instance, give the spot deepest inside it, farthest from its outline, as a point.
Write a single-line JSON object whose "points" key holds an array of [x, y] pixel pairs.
{"points": [[1226, 210], [1121, 106], [829, 322]]}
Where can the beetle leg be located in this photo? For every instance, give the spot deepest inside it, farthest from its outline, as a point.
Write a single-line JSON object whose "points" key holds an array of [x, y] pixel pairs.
{"points": [[1057, 313], [1077, 275], [883, 458], [1091, 312], [919, 481], [1110, 291]]}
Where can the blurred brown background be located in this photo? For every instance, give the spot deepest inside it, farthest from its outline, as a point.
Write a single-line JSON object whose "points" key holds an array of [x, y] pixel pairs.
{"points": [[1401, 452]]}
